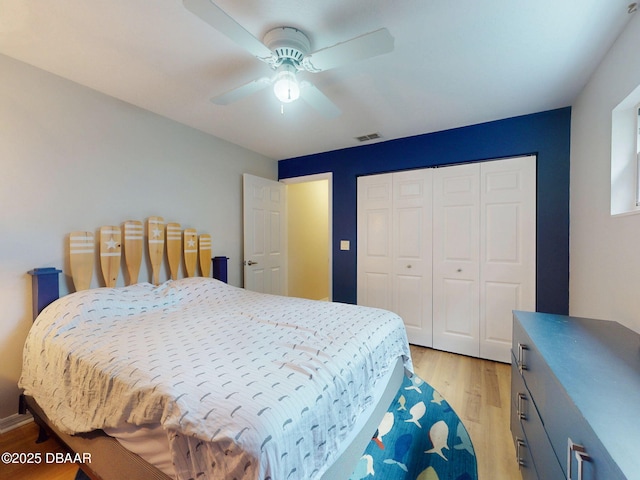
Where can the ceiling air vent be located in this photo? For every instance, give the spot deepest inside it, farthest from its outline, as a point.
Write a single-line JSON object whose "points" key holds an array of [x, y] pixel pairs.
{"points": [[366, 138]]}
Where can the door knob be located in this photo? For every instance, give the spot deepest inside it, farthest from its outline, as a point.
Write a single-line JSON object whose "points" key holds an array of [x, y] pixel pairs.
{"points": [[250, 262]]}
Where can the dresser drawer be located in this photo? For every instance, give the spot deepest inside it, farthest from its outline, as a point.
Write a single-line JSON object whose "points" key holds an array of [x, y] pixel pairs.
{"points": [[560, 417], [523, 456], [523, 406], [530, 364], [564, 422]]}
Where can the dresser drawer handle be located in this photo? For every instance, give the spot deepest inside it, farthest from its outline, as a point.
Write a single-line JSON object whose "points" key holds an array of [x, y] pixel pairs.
{"points": [[520, 444], [520, 411], [580, 454], [521, 365]]}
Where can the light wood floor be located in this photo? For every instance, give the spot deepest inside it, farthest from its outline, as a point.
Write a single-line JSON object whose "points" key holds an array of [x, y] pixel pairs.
{"points": [[23, 440], [478, 390]]}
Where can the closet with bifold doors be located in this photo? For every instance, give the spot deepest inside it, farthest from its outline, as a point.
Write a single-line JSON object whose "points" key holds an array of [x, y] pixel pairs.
{"points": [[452, 250]]}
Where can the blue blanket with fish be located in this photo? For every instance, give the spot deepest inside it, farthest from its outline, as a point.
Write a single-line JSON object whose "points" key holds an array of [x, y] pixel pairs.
{"points": [[419, 438]]}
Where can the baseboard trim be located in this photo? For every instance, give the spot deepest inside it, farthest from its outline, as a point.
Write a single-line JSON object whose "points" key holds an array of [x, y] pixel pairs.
{"points": [[14, 421]]}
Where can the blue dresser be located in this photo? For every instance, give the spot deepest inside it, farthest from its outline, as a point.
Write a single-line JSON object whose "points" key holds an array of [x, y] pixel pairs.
{"points": [[575, 398]]}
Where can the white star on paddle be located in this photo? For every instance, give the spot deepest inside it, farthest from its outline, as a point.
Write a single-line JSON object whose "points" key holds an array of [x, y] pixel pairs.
{"points": [[156, 232], [192, 243], [111, 244]]}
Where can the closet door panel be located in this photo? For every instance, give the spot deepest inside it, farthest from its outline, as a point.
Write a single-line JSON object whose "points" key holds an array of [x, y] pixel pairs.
{"points": [[457, 305], [410, 292], [376, 290], [507, 252], [412, 260], [497, 305], [377, 225], [374, 242], [456, 259], [409, 300]]}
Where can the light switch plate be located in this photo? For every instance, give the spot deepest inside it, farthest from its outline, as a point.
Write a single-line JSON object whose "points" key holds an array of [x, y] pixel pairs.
{"points": [[345, 245]]}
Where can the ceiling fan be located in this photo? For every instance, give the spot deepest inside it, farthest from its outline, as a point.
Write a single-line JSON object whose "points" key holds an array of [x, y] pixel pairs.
{"points": [[287, 51]]}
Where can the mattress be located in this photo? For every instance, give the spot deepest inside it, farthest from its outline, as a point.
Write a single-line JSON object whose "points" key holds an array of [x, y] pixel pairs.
{"points": [[243, 384]]}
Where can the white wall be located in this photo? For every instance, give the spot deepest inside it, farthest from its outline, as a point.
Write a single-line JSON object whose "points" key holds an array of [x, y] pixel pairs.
{"points": [[74, 159], [604, 249]]}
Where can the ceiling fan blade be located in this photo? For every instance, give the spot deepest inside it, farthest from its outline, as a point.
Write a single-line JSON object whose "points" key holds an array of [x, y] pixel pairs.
{"points": [[318, 100], [358, 48], [218, 19], [242, 91]]}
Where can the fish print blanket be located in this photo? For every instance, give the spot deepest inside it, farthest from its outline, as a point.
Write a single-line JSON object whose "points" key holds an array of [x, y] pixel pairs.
{"points": [[419, 438], [246, 385]]}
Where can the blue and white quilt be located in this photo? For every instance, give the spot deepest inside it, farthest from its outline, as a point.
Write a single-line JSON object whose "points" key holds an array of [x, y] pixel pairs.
{"points": [[246, 385]]}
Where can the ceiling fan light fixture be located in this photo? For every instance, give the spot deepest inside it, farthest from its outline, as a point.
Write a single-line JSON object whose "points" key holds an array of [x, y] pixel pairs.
{"points": [[285, 85], [287, 50]]}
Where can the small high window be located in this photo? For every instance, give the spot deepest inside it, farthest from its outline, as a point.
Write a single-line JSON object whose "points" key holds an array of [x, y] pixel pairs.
{"points": [[625, 155], [638, 155]]}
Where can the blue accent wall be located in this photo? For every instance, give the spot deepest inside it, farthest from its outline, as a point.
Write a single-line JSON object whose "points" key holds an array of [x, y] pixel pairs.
{"points": [[545, 134]]}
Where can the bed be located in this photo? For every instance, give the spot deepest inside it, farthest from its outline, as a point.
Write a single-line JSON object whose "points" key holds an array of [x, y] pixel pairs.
{"points": [[199, 379]]}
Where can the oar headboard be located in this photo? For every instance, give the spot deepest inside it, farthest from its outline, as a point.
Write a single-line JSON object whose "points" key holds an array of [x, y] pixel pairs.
{"points": [[185, 245], [128, 241]]}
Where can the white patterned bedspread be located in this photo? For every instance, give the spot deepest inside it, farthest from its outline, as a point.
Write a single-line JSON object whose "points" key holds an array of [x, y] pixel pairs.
{"points": [[246, 385]]}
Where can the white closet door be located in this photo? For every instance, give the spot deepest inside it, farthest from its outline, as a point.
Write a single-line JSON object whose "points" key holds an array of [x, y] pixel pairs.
{"points": [[452, 250], [374, 255], [508, 250], [394, 248], [456, 266], [412, 259]]}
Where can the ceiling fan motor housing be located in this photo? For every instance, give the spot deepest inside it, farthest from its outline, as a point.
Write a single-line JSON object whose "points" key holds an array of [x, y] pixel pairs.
{"points": [[289, 44]]}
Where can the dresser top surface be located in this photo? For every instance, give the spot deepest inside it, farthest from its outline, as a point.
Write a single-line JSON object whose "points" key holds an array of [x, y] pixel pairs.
{"points": [[598, 364]]}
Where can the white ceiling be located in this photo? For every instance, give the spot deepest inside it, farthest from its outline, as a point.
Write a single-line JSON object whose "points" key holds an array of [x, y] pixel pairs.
{"points": [[455, 63]]}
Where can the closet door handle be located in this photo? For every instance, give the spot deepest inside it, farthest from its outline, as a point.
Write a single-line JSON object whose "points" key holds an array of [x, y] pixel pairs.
{"points": [[521, 365], [580, 454]]}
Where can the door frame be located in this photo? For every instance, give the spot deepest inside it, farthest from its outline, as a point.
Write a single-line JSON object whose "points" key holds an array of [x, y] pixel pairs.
{"points": [[313, 178]]}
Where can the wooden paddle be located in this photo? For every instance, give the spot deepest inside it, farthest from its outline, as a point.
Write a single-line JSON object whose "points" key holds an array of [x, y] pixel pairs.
{"points": [[155, 233], [190, 251], [110, 252], [205, 254], [133, 235], [81, 258], [174, 248]]}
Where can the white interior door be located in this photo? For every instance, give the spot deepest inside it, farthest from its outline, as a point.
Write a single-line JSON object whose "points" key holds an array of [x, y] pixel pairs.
{"points": [[507, 251], [412, 266], [456, 266], [264, 214]]}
